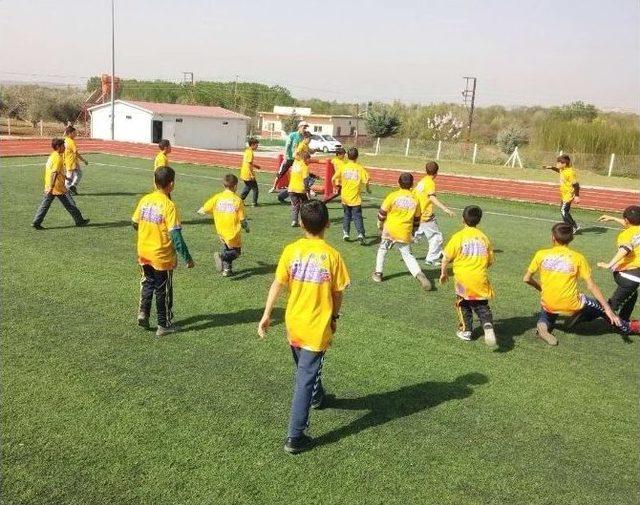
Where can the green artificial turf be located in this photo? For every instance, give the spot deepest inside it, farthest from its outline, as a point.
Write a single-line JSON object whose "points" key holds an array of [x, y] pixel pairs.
{"points": [[97, 410]]}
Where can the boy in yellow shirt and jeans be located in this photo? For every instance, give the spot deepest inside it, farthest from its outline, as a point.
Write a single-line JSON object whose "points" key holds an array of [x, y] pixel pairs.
{"points": [[316, 277], [398, 219], [54, 187], [227, 209], [350, 178], [569, 188], [157, 222], [247, 172], [560, 268], [299, 185], [471, 253]]}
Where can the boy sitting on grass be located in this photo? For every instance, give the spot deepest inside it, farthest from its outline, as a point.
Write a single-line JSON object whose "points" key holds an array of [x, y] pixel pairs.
{"points": [[227, 209], [471, 253], [560, 267], [316, 277]]}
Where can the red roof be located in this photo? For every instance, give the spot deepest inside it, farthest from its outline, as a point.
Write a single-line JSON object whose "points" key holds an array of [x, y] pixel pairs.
{"points": [[178, 109]]}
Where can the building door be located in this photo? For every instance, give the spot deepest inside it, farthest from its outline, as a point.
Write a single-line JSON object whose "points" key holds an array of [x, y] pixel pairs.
{"points": [[169, 131], [156, 131]]}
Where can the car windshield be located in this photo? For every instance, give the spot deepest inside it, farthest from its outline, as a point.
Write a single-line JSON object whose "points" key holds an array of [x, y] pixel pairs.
{"points": [[329, 138], [316, 137]]}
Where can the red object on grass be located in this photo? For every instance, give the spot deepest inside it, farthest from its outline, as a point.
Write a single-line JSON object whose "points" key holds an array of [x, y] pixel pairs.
{"points": [[328, 175], [283, 182]]}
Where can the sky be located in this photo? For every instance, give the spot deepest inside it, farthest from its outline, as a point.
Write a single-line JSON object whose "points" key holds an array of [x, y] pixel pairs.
{"points": [[523, 52]]}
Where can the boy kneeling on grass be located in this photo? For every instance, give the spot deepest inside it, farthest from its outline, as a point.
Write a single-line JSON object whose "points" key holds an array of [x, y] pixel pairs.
{"points": [[227, 209], [316, 277], [157, 221], [560, 268]]}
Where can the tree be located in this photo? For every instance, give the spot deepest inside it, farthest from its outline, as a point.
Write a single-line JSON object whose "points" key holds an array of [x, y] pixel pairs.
{"points": [[67, 109], [575, 111], [511, 137], [382, 122], [290, 123]]}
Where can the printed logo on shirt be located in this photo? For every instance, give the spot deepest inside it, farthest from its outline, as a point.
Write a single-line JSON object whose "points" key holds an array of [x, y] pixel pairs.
{"points": [[309, 269], [405, 203], [635, 240], [558, 264], [152, 214], [225, 206], [474, 247], [350, 175]]}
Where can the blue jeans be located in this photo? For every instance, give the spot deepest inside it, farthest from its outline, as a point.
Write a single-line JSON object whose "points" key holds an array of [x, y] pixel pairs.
{"points": [[590, 310], [354, 213], [308, 388]]}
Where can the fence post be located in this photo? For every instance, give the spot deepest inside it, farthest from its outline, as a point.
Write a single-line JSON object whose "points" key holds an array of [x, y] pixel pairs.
{"points": [[41, 129], [406, 150], [611, 162], [377, 146], [9, 126], [475, 154], [439, 149]]}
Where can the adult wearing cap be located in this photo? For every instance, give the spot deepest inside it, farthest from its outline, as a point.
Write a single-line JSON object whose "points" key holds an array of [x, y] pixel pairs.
{"points": [[293, 140]]}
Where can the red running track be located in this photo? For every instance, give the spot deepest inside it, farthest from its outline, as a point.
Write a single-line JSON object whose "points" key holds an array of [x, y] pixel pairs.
{"points": [[538, 192]]}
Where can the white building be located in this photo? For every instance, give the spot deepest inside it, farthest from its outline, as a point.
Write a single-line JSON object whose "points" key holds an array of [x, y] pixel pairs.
{"points": [[341, 126], [183, 125]]}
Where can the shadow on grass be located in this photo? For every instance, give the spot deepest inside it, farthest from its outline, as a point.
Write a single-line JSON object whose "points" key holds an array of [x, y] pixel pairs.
{"points": [[205, 321], [510, 328], [115, 193], [403, 402], [597, 230], [262, 269], [113, 224], [432, 275]]}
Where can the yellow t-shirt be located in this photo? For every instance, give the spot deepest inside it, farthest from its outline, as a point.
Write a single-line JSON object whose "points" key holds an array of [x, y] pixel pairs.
{"points": [[351, 177], [424, 190], [471, 254], [560, 268], [402, 209], [227, 209], [157, 216], [568, 178], [302, 147], [55, 165], [313, 270], [299, 172], [70, 154], [161, 160], [246, 170], [337, 163], [629, 239]]}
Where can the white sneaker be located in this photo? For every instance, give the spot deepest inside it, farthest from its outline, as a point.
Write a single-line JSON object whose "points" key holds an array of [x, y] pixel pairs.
{"points": [[345, 236], [424, 282], [464, 335], [489, 335], [436, 263], [217, 259]]}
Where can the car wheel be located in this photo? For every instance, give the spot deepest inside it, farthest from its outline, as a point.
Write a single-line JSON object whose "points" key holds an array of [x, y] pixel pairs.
{"points": [[325, 149]]}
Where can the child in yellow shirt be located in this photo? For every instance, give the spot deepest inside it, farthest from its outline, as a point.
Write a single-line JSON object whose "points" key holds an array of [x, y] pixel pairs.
{"points": [[569, 188], [247, 172], [227, 209], [625, 264], [471, 254], [71, 163], [350, 179], [316, 277], [54, 187], [162, 158], [157, 221], [398, 219], [560, 268], [299, 185]]}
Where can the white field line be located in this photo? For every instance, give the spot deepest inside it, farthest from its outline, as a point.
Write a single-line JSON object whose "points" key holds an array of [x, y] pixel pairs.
{"points": [[367, 198]]}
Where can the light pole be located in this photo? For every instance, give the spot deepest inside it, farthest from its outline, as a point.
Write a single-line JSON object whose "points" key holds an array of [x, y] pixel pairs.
{"points": [[113, 69]]}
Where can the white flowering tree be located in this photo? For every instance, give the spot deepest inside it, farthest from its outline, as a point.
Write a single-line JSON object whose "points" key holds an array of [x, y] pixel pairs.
{"points": [[444, 127]]}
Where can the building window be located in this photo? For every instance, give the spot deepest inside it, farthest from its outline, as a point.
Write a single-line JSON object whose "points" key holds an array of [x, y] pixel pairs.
{"points": [[178, 120], [225, 123], [353, 131], [269, 126], [127, 117], [317, 129], [338, 130]]}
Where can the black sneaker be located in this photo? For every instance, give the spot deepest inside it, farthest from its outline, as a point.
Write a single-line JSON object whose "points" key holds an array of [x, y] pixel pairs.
{"points": [[73, 190], [298, 444], [37, 226], [84, 222], [143, 320]]}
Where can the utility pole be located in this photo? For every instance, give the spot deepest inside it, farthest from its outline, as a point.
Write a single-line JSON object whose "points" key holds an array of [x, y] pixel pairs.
{"points": [[113, 69], [469, 98], [235, 93], [357, 119]]}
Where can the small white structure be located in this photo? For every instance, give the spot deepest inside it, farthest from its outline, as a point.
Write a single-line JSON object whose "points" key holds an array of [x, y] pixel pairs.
{"points": [[342, 126], [183, 125]]}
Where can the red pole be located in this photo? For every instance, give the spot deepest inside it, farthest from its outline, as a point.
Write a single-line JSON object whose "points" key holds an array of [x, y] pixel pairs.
{"points": [[328, 175]]}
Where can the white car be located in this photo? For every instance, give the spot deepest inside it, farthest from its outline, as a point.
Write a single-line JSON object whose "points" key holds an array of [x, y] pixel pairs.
{"points": [[324, 143]]}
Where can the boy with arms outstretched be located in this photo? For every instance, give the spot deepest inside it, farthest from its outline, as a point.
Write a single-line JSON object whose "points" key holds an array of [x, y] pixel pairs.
{"points": [[398, 219], [227, 209], [569, 188], [471, 253], [157, 221], [426, 193], [316, 277]]}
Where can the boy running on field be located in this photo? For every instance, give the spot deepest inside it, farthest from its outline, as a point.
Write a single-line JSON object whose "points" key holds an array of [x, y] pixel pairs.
{"points": [[398, 218], [426, 193], [71, 163], [299, 185], [560, 268], [162, 158], [247, 172], [157, 222], [625, 264], [569, 189], [471, 253], [227, 210], [54, 187], [351, 177], [316, 277]]}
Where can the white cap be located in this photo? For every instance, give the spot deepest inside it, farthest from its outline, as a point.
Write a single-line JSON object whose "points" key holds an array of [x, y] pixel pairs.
{"points": [[302, 123]]}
